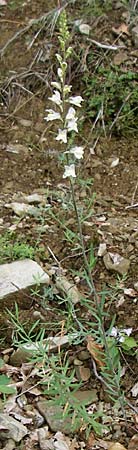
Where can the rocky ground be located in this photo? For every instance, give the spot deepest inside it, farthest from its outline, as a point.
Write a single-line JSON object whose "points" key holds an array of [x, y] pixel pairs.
{"points": [[36, 221]]}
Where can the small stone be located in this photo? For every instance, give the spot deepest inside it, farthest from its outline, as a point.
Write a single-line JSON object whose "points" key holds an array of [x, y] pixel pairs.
{"points": [[116, 446], [102, 249], [120, 58], [116, 263], [118, 5], [84, 28], [77, 362], [16, 148], [11, 428], [135, 35], [54, 416], [84, 355], [87, 396], [34, 198], [136, 286], [134, 390], [25, 123], [129, 248], [83, 373]]}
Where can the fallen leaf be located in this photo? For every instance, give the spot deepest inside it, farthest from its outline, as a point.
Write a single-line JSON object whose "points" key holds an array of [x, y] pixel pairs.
{"points": [[96, 351], [91, 440], [123, 28]]}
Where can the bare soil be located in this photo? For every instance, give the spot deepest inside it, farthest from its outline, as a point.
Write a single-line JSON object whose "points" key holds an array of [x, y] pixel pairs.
{"points": [[25, 86]]}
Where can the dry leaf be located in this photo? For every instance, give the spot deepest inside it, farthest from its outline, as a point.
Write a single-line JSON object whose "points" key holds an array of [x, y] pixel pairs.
{"points": [[123, 28], [96, 351], [91, 440]]}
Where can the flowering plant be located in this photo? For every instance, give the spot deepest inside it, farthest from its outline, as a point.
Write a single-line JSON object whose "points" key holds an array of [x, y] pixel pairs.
{"points": [[65, 111], [66, 105]]}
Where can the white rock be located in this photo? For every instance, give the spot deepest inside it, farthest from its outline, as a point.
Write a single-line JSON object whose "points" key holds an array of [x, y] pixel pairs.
{"points": [[102, 249], [134, 390], [22, 209], [11, 428], [20, 275], [34, 198], [114, 162], [136, 286]]}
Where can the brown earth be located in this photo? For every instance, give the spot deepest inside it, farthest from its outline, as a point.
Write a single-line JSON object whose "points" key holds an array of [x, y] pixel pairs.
{"points": [[35, 167]]}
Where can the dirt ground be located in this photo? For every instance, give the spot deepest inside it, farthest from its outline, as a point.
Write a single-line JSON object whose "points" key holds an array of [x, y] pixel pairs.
{"points": [[29, 163]]}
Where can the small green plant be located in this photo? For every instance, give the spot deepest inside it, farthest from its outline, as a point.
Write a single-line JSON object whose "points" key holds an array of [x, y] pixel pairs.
{"points": [[69, 125], [5, 383], [116, 91], [15, 4], [58, 384], [21, 334], [60, 387], [11, 248]]}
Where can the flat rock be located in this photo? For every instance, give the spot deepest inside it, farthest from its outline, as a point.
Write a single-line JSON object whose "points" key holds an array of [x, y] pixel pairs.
{"points": [[16, 148], [25, 351], [87, 397], [11, 428], [22, 209], [54, 416], [17, 276], [34, 198]]}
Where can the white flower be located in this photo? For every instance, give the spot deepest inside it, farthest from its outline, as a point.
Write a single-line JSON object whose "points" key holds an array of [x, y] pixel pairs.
{"points": [[62, 136], [76, 100], [72, 125], [60, 74], [114, 332], [52, 115], [77, 152], [56, 85], [119, 333], [71, 113], [69, 171], [56, 98]]}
